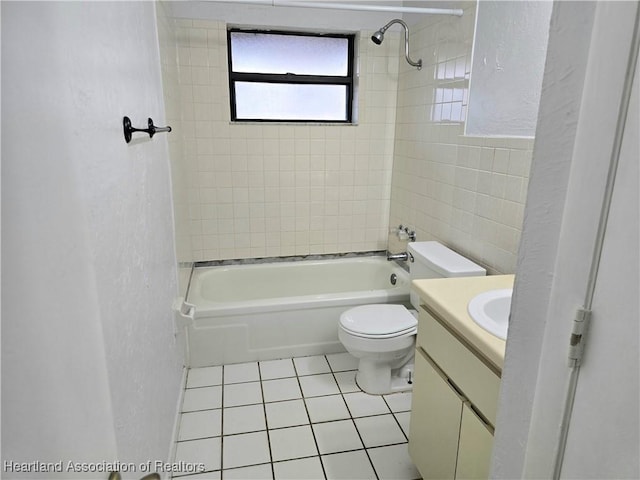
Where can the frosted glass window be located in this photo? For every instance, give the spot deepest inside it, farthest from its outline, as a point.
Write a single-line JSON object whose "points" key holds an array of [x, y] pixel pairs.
{"points": [[301, 55], [290, 76], [273, 101]]}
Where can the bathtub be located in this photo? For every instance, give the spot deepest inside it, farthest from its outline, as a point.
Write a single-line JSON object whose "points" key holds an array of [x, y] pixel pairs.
{"points": [[242, 313]]}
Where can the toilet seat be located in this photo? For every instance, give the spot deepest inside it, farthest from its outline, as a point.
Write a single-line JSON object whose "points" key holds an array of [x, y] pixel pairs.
{"points": [[378, 321]]}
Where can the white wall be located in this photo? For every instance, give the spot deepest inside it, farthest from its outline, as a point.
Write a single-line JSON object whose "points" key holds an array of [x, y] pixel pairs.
{"points": [[271, 190], [509, 51], [262, 189], [266, 15], [540, 237], [466, 192], [584, 76], [90, 367]]}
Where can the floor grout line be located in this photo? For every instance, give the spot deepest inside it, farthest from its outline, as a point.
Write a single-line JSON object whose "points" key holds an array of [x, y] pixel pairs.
{"points": [[355, 425], [306, 409], [222, 424], [309, 423], [266, 424]]}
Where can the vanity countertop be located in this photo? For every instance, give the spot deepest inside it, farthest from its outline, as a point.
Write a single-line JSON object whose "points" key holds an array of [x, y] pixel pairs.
{"points": [[448, 298]]}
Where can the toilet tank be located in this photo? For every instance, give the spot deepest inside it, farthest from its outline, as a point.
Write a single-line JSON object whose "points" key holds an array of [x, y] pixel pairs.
{"points": [[434, 260]]}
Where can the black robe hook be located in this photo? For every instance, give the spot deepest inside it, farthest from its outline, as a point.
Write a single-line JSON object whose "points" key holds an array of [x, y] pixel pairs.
{"points": [[151, 130]]}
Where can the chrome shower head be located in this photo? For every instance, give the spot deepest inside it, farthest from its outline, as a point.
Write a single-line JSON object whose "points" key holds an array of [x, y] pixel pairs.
{"points": [[378, 37]]}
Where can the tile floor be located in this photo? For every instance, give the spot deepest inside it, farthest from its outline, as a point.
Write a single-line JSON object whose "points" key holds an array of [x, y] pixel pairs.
{"points": [[300, 418]]}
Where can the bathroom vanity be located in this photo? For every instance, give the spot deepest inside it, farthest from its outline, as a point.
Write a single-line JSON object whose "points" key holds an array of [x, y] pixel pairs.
{"points": [[458, 366]]}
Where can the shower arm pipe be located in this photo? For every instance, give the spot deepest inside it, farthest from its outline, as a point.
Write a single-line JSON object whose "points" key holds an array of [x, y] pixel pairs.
{"points": [[417, 64], [458, 12]]}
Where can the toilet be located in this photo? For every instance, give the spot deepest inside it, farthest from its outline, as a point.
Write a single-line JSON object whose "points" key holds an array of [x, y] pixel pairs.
{"points": [[382, 336]]}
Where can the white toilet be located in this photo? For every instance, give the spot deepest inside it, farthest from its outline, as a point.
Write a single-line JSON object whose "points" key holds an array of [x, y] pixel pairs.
{"points": [[383, 336]]}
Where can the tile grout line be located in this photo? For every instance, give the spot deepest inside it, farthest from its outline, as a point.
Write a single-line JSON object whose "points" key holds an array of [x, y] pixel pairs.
{"points": [[393, 414], [266, 423], [306, 409], [222, 423], [204, 410], [310, 422], [366, 452]]}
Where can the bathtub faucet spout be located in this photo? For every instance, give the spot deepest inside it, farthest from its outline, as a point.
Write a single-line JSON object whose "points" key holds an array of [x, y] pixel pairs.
{"points": [[404, 256]]}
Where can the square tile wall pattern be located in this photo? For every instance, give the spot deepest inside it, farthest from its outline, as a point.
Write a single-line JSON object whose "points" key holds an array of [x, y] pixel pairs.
{"points": [[256, 189], [300, 418], [464, 191]]}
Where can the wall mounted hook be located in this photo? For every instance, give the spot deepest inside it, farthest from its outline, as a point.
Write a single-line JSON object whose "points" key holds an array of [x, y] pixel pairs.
{"points": [[151, 130]]}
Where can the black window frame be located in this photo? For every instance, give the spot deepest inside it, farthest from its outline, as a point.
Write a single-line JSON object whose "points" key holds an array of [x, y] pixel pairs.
{"points": [[291, 78]]}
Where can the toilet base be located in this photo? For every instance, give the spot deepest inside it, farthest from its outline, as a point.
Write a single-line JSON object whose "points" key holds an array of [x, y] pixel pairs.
{"points": [[380, 379], [402, 380]]}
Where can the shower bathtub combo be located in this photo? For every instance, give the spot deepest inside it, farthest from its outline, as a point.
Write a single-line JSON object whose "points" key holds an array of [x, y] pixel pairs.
{"points": [[266, 311]]}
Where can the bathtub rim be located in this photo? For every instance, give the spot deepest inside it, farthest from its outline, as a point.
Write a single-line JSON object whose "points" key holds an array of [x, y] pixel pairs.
{"points": [[206, 308]]}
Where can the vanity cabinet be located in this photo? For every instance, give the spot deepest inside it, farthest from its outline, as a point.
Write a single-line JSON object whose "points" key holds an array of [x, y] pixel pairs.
{"points": [[455, 397]]}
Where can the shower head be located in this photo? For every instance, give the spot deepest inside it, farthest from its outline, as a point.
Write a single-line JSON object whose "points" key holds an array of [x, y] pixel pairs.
{"points": [[378, 37]]}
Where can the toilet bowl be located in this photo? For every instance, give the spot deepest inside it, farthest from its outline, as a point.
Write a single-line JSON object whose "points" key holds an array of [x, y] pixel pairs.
{"points": [[382, 336]]}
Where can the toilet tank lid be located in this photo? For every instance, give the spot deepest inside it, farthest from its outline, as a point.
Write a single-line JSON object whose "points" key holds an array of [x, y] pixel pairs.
{"points": [[378, 319], [444, 260]]}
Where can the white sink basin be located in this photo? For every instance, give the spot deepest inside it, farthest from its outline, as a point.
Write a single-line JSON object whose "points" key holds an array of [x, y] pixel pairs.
{"points": [[491, 309]]}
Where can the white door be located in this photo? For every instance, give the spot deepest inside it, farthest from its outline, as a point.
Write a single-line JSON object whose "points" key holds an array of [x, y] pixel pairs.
{"points": [[603, 438]]}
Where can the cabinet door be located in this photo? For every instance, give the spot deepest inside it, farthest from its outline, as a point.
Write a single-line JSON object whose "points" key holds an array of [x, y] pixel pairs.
{"points": [[435, 421], [476, 441], [478, 382]]}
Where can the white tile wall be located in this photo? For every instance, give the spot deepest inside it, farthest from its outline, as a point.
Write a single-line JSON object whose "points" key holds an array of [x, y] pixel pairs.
{"points": [[465, 192], [253, 190], [282, 189]]}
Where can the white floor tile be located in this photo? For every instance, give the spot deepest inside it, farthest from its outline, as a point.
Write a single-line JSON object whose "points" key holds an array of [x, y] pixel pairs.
{"points": [[286, 414], [241, 372], [202, 424], [379, 430], [393, 463], [204, 398], [316, 385], [380, 422], [325, 409], [362, 404], [242, 394], [311, 365], [204, 377], [272, 369], [206, 451], [399, 402], [255, 472], [341, 362], [404, 418], [303, 469], [348, 466], [249, 418], [291, 443], [347, 381], [245, 449], [335, 437], [281, 389]]}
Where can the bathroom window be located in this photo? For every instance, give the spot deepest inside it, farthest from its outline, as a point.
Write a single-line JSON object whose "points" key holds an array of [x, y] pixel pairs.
{"points": [[290, 77]]}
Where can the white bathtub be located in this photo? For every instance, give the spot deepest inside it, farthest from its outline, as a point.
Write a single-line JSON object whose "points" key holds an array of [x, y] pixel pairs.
{"points": [[268, 311]]}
